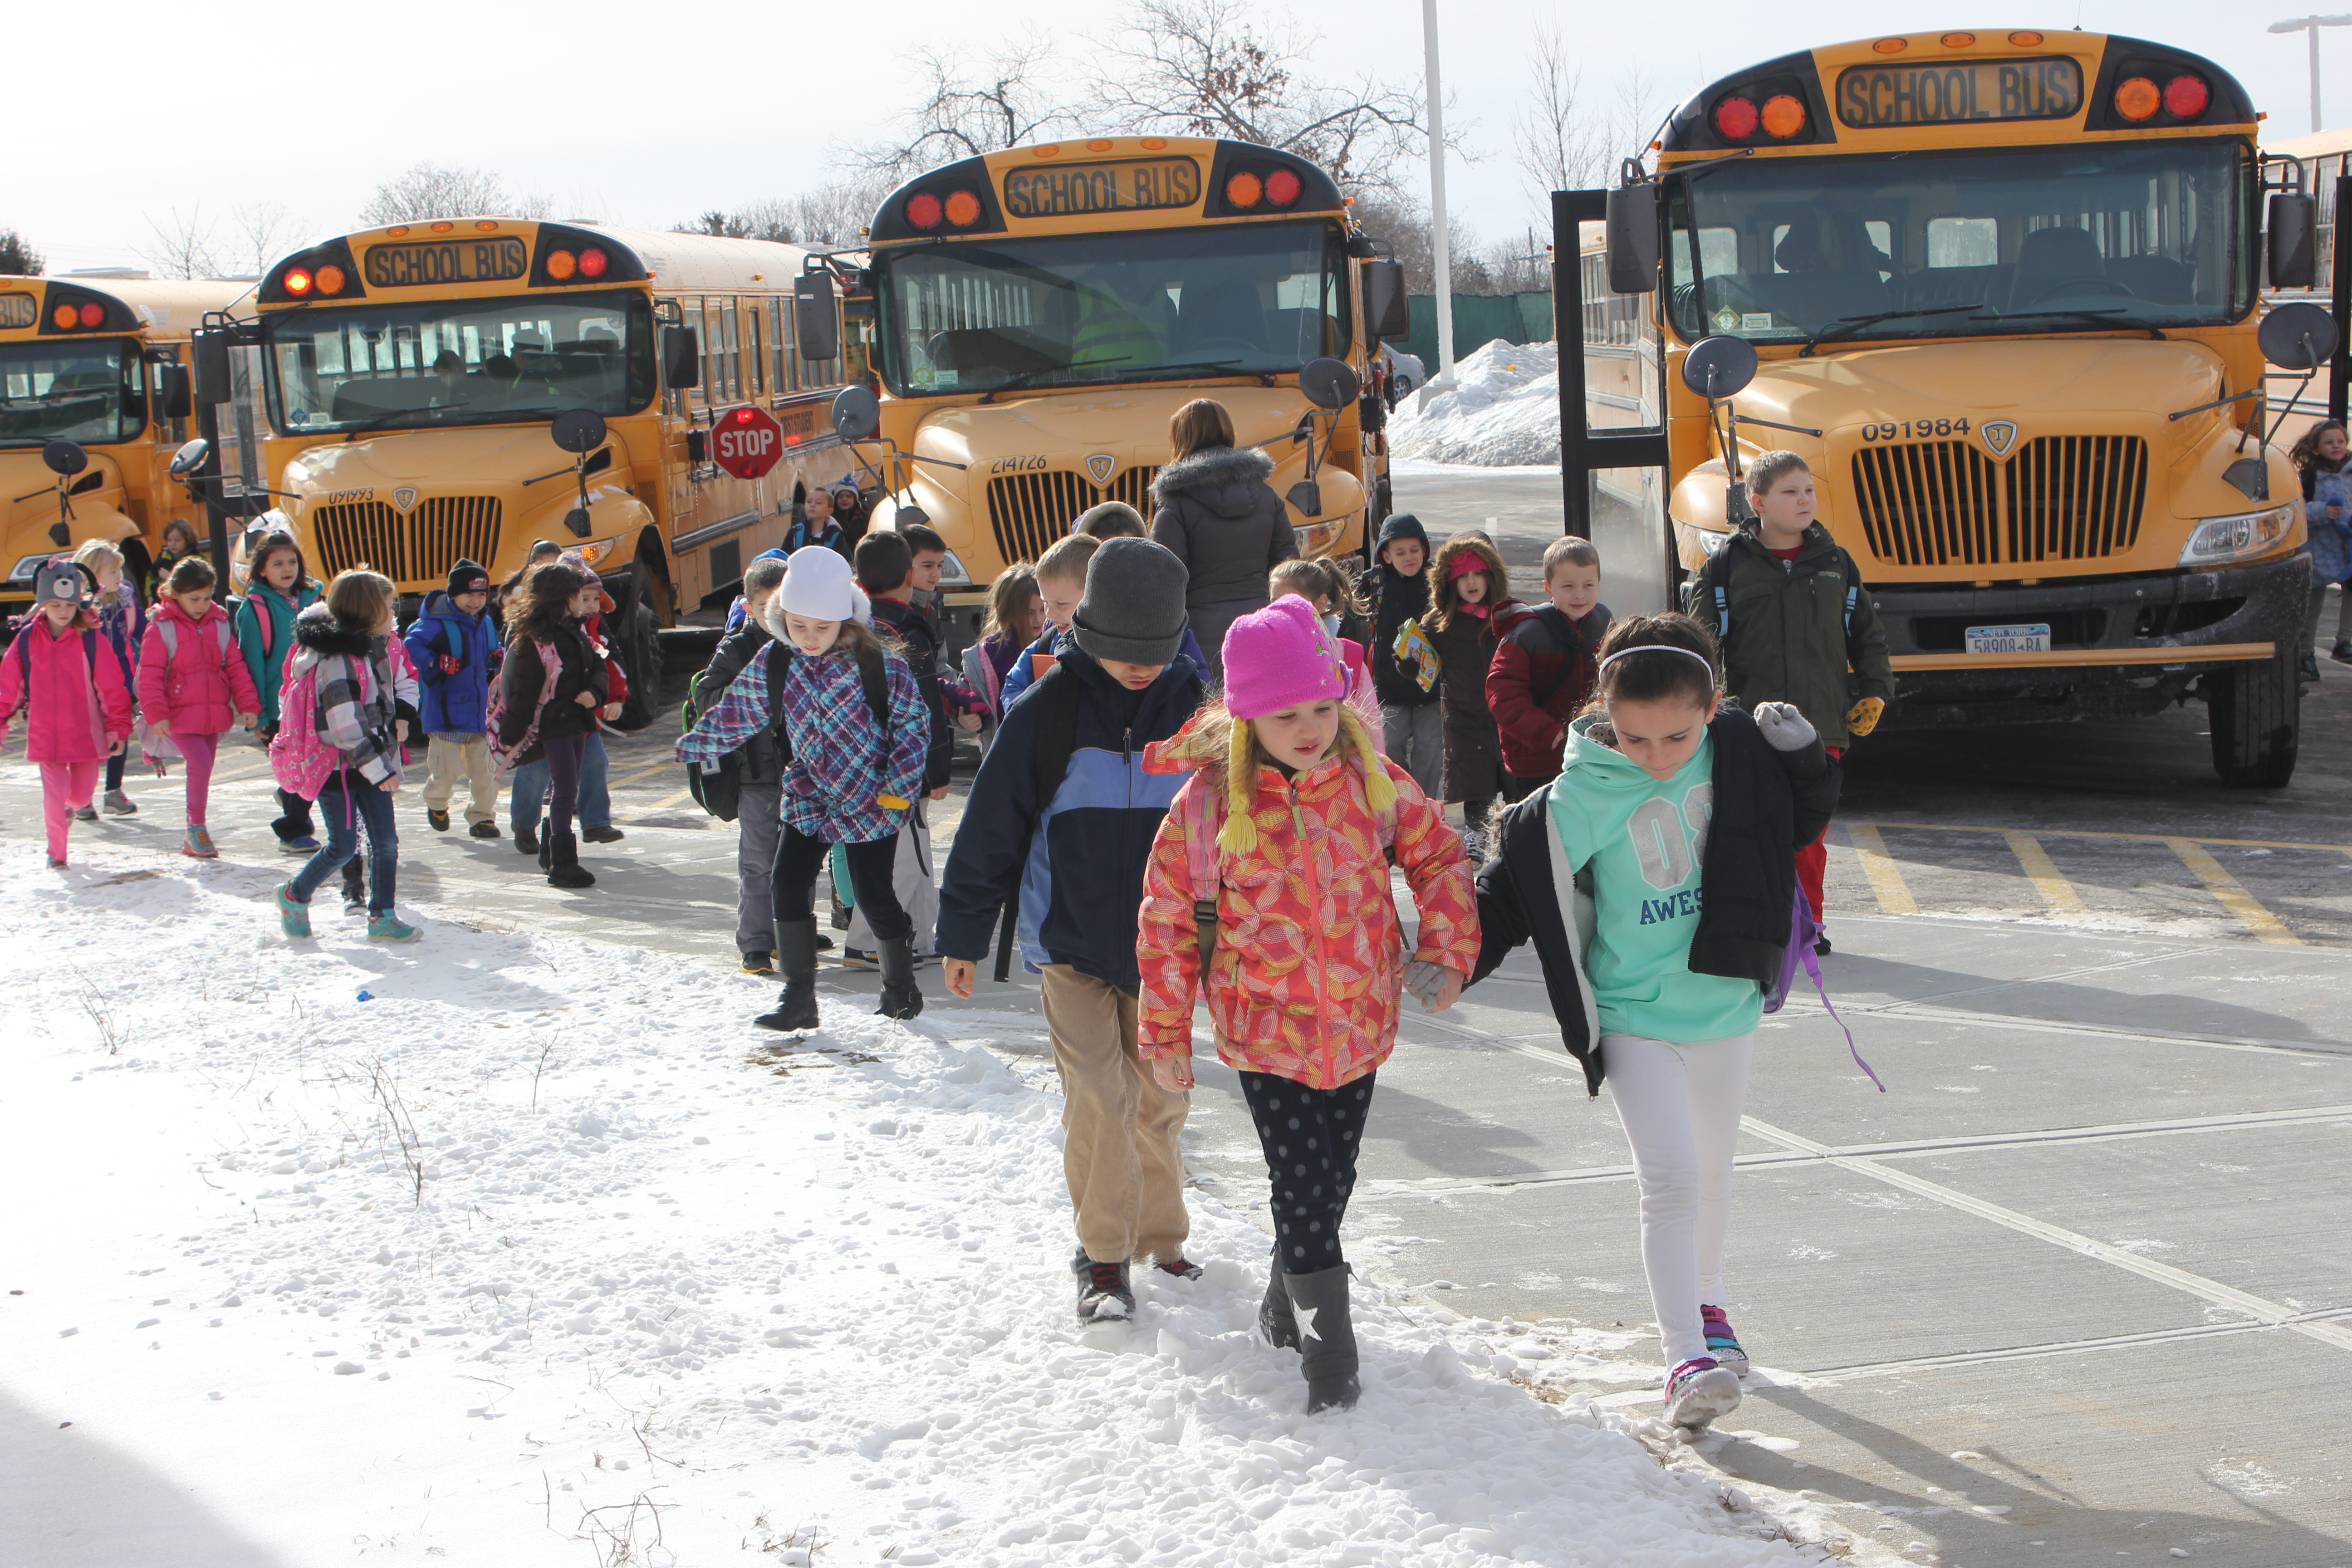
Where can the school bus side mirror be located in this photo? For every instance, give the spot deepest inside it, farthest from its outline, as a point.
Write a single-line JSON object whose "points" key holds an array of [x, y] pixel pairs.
{"points": [[2293, 256], [817, 314], [173, 399], [1388, 311], [681, 352], [190, 457], [208, 359], [857, 412], [1631, 226]]}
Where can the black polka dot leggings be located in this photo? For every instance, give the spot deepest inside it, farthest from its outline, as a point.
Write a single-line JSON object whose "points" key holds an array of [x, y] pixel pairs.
{"points": [[1310, 1137]]}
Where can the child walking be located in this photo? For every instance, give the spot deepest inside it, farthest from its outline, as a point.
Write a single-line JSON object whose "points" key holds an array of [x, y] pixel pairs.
{"points": [[554, 681], [278, 588], [1016, 614], [858, 734], [1793, 618], [122, 620], [1413, 722], [1468, 586], [449, 645], [194, 686], [59, 673], [1546, 663], [1325, 588], [1284, 828], [2323, 457], [341, 646], [1686, 815]]}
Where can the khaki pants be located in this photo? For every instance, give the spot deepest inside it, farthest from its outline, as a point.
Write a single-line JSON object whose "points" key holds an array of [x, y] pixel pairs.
{"points": [[446, 757], [1119, 1130]]}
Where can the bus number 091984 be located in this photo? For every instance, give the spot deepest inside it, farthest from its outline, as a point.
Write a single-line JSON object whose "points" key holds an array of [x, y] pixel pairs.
{"points": [[1910, 430]]}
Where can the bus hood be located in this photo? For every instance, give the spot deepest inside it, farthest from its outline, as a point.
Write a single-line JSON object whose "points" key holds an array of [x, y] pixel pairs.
{"points": [[26, 525], [2049, 383]]}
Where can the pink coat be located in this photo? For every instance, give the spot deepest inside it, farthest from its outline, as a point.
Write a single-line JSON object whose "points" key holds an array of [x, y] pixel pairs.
{"points": [[78, 705], [200, 688]]}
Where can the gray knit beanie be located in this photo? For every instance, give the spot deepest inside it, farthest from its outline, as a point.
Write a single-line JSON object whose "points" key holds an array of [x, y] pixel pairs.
{"points": [[1133, 608]]}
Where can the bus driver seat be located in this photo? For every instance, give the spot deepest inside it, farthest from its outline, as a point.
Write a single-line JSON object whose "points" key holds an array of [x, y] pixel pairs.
{"points": [[1219, 318], [2049, 256]]}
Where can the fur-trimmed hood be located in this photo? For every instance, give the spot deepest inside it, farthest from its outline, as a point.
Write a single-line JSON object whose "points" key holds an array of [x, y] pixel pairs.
{"points": [[1223, 479], [317, 629]]}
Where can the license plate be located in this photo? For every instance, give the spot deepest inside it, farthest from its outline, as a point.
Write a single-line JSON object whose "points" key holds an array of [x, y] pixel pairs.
{"points": [[2034, 638]]}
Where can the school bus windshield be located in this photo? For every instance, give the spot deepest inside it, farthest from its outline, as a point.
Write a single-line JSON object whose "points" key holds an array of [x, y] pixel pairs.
{"points": [[458, 362], [1097, 308], [1965, 244], [68, 392]]}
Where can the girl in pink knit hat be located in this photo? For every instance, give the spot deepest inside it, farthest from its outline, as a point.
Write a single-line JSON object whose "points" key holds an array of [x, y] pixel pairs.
{"points": [[1268, 889]]}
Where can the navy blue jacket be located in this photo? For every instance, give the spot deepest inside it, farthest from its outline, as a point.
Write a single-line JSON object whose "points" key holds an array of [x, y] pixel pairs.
{"points": [[456, 704], [1082, 883]]}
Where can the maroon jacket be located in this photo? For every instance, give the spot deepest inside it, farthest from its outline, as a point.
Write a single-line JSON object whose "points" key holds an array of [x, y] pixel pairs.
{"points": [[1543, 673]]}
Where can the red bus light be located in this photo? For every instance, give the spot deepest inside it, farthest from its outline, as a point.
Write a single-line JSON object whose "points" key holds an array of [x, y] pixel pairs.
{"points": [[562, 264], [2186, 96], [923, 210], [963, 208], [1735, 119], [331, 279], [1282, 187], [2137, 99], [297, 280], [93, 315], [1784, 116], [1245, 190], [592, 262], [65, 317]]}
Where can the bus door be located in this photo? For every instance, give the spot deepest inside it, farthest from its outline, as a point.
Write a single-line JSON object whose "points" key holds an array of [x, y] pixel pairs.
{"points": [[1612, 445]]}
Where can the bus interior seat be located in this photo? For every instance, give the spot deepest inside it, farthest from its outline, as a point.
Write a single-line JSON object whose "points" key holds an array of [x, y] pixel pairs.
{"points": [[1222, 314], [2156, 277], [1303, 332], [2050, 256]]}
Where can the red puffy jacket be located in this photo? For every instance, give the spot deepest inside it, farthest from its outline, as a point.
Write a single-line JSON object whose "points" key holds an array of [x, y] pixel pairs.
{"points": [[202, 686], [1542, 675]]}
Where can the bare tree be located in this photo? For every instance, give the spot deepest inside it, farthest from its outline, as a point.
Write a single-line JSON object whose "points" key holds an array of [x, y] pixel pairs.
{"points": [[264, 230], [1557, 143], [1404, 222], [429, 191], [973, 106], [831, 215], [1213, 68], [18, 256], [183, 248]]}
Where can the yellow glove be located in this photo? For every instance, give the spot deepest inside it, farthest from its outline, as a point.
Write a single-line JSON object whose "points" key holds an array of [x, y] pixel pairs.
{"points": [[1863, 717]]}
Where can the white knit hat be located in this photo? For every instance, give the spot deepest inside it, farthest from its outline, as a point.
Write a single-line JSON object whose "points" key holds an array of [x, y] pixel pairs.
{"points": [[819, 585]]}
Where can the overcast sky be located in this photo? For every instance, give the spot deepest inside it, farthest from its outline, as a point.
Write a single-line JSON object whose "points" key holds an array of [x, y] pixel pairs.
{"points": [[647, 118]]}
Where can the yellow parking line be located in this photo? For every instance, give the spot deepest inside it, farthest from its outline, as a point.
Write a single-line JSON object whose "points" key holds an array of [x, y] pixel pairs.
{"points": [[2232, 893], [666, 802], [1886, 877], [2136, 838], [666, 766], [2055, 890]]}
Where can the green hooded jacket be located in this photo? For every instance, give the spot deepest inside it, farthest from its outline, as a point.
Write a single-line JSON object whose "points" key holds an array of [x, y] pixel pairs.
{"points": [[1788, 635]]}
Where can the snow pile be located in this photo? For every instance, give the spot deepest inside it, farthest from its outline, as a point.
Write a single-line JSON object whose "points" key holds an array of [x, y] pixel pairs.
{"points": [[1504, 411], [519, 1250]]}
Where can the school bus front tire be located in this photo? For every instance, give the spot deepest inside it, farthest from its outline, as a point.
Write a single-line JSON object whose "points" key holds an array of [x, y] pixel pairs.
{"points": [[2255, 713]]}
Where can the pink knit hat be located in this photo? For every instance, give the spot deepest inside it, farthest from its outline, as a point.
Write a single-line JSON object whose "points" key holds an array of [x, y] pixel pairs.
{"points": [[1280, 657]]}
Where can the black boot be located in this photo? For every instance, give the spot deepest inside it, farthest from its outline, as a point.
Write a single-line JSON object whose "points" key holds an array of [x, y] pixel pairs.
{"points": [[563, 869], [901, 997], [1326, 1351], [527, 840], [547, 849], [796, 1006], [1275, 1318]]}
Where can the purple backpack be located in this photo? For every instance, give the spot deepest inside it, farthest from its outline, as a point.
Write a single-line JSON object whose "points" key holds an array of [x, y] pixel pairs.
{"points": [[1804, 933]]}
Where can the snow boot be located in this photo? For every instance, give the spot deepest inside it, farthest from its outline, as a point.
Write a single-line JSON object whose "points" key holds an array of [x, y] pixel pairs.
{"points": [[527, 840], [563, 869], [1104, 1294], [1327, 1345], [1699, 1391], [1274, 1318], [1721, 1342], [795, 1007], [546, 847], [901, 997]]}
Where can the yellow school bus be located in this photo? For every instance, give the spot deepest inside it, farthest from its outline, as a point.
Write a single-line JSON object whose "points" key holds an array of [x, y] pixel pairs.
{"points": [[1039, 314], [417, 378], [99, 366], [2000, 290]]}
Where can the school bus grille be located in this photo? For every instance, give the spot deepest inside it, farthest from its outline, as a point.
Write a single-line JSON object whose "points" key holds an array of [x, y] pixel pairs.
{"points": [[419, 546], [1030, 512], [1946, 503]]}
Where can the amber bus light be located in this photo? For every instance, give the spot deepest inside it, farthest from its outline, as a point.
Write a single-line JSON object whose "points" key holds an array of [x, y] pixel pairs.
{"points": [[1245, 190], [65, 316], [330, 279], [2137, 99], [962, 209], [562, 264], [1784, 116]]}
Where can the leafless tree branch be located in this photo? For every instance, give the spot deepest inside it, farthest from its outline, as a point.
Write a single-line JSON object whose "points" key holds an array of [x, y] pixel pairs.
{"points": [[429, 191]]}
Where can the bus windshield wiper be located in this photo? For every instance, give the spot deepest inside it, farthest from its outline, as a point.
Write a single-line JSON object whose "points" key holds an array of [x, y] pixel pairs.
{"points": [[1024, 378], [2102, 317], [389, 414], [1224, 366], [1855, 323]]}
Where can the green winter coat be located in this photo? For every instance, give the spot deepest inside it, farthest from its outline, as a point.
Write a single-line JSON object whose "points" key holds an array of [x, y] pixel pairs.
{"points": [[1787, 641]]}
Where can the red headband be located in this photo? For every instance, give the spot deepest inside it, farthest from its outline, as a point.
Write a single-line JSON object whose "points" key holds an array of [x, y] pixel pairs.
{"points": [[1469, 560]]}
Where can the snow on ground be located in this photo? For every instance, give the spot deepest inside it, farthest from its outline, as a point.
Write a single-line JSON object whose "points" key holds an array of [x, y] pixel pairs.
{"points": [[1504, 411], [514, 1250]]}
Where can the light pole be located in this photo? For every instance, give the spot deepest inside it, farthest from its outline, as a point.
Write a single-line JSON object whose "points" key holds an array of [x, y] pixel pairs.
{"points": [[2311, 26], [1441, 252]]}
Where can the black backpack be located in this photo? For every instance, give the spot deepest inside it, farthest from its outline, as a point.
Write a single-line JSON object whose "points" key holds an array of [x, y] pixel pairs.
{"points": [[1711, 586], [1563, 636], [720, 790]]}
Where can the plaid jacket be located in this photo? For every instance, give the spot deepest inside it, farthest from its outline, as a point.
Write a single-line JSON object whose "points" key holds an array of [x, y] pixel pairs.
{"points": [[841, 762], [355, 723]]}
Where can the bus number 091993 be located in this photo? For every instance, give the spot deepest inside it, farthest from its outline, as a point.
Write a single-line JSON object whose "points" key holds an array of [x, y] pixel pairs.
{"points": [[1910, 430]]}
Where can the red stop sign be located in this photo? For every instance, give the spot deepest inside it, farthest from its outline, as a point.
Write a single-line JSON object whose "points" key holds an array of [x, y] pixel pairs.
{"points": [[747, 442]]}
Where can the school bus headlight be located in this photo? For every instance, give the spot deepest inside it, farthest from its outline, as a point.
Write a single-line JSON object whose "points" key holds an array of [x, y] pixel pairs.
{"points": [[27, 565], [601, 551], [2237, 536], [954, 573]]}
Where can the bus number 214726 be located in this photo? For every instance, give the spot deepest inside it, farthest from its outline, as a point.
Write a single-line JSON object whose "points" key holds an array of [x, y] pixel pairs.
{"points": [[1909, 429]]}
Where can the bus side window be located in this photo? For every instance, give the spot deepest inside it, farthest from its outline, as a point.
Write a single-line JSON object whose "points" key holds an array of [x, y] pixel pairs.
{"points": [[728, 325], [755, 360], [776, 314]]}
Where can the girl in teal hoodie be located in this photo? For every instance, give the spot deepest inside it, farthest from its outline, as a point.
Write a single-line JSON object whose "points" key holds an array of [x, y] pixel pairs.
{"points": [[278, 589], [1657, 877]]}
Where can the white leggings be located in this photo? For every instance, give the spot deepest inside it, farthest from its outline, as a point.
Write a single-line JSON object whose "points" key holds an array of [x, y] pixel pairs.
{"points": [[1680, 1106]]}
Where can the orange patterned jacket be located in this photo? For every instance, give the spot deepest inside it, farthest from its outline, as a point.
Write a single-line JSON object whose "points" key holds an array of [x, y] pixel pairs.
{"points": [[1308, 964]]}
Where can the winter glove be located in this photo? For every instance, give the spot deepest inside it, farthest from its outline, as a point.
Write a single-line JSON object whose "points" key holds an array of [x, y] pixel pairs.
{"points": [[1863, 717], [1785, 729], [449, 664], [1424, 980]]}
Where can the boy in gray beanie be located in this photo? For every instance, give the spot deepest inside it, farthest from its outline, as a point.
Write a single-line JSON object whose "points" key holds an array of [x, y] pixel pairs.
{"points": [[1065, 775]]}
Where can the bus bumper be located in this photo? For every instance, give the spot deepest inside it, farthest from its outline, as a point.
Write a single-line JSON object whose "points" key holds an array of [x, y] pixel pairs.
{"points": [[2120, 647]]}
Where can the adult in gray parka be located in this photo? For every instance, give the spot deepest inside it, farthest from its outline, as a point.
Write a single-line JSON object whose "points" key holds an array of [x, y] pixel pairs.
{"points": [[1212, 506]]}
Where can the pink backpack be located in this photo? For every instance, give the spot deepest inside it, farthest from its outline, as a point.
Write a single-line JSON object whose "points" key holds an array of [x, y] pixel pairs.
{"points": [[302, 759], [508, 758]]}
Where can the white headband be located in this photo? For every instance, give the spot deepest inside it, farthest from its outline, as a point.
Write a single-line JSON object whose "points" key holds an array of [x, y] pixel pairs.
{"points": [[1660, 648]]}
